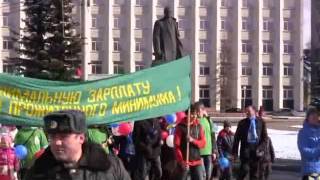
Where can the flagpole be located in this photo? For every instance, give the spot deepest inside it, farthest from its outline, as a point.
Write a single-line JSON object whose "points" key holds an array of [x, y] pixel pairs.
{"points": [[188, 135]]}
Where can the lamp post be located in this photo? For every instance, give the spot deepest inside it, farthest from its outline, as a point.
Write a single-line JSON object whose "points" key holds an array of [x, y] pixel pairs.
{"points": [[244, 96]]}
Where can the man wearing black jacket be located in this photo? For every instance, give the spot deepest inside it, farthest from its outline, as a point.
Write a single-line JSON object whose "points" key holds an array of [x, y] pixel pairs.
{"points": [[147, 141], [252, 134], [69, 156]]}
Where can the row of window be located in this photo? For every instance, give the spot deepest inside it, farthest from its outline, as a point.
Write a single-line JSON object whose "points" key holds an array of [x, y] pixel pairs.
{"points": [[267, 24], [267, 70], [118, 68], [267, 47], [246, 96]]}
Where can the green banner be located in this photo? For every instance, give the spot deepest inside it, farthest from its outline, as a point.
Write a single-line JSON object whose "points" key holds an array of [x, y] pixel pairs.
{"points": [[152, 92]]}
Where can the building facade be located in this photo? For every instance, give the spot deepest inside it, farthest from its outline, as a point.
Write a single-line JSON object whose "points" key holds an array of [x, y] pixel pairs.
{"points": [[244, 51], [315, 48]]}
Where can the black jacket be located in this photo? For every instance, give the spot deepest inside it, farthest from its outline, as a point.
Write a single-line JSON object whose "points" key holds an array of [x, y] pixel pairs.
{"points": [[94, 164], [147, 138], [225, 143], [247, 150]]}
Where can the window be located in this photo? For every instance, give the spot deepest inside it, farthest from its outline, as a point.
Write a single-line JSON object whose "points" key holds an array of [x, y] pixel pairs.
{"points": [[245, 24], [246, 96], [204, 94], [94, 2], [287, 26], [267, 70], [246, 70], [96, 67], [288, 101], [95, 44], [203, 2], [204, 24], [203, 45], [204, 70], [268, 3], [7, 44], [138, 2], [287, 48], [267, 24], [288, 70], [267, 47], [118, 67], [94, 22], [116, 22], [138, 46], [223, 3], [182, 24], [116, 45], [222, 70], [267, 98], [223, 23], [5, 1], [267, 92], [244, 3], [5, 20], [246, 47], [139, 66], [138, 23], [8, 67]]}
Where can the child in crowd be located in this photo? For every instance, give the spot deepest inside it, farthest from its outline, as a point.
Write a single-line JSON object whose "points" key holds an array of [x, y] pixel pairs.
{"points": [[9, 163]]}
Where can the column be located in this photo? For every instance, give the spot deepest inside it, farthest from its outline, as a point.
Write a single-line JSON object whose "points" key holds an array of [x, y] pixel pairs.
{"points": [[215, 62], [257, 60], [130, 62], [236, 51], [107, 63], [195, 51], [278, 60], [86, 48], [298, 65]]}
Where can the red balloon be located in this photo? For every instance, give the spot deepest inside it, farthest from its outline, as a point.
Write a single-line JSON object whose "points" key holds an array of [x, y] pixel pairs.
{"points": [[125, 129], [164, 135], [39, 153], [180, 116]]}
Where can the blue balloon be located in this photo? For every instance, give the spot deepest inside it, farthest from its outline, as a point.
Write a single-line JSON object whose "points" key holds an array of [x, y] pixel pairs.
{"points": [[171, 118], [114, 125], [224, 163], [21, 152]]}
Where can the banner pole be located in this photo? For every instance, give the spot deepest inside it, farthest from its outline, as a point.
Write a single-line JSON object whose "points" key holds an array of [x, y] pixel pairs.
{"points": [[188, 135]]}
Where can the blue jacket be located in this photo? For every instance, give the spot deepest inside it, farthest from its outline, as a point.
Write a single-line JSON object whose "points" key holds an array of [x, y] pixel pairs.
{"points": [[309, 147]]}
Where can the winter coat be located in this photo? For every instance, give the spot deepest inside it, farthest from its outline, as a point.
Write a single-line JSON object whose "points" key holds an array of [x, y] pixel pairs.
{"points": [[94, 164], [248, 151], [225, 143], [166, 43], [309, 147], [268, 152], [180, 142], [147, 138]]}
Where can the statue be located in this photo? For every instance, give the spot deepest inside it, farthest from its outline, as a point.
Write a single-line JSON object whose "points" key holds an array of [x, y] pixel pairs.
{"points": [[166, 43]]}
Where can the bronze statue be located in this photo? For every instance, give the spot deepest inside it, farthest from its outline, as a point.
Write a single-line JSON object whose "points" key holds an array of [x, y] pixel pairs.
{"points": [[166, 43]]}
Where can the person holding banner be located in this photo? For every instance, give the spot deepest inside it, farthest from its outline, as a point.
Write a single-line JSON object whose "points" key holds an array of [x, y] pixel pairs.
{"points": [[189, 157], [147, 142], [69, 156]]}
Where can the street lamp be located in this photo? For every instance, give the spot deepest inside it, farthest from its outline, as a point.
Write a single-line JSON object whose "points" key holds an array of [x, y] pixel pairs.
{"points": [[244, 96]]}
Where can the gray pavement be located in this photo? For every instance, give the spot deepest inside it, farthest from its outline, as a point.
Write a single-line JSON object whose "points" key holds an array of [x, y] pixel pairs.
{"points": [[285, 175]]}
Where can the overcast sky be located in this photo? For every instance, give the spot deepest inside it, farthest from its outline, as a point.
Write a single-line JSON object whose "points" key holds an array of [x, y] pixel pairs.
{"points": [[307, 23]]}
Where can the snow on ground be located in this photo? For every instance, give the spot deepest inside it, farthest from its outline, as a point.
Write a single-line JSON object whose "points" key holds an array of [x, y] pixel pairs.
{"points": [[284, 143]]}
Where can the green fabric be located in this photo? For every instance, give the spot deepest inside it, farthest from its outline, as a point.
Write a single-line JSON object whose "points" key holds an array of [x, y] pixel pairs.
{"points": [[152, 92], [33, 142], [98, 136], [207, 150]]}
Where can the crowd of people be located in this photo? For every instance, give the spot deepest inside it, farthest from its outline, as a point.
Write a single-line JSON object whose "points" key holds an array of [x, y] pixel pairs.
{"points": [[65, 148]]}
